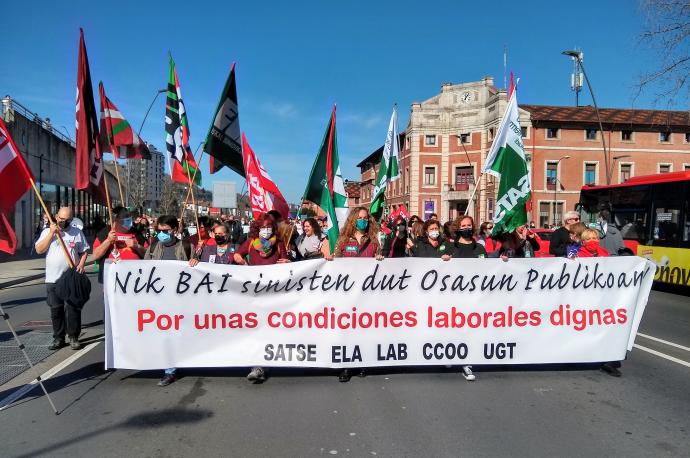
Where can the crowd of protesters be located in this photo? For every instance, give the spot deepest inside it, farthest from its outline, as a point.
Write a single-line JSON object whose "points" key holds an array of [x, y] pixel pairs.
{"points": [[271, 239]]}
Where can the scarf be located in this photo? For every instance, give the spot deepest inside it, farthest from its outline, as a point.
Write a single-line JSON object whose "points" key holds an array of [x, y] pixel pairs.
{"points": [[264, 247]]}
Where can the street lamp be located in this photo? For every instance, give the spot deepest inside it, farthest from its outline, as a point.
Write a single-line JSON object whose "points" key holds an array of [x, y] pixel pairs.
{"points": [[555, 189], [578, 56], [615, 158]]}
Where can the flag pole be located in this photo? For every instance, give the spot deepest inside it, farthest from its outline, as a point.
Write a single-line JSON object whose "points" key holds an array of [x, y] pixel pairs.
{"points": [[198, 162], [476, 186], [117, 175], [107, 196], [70, 261]]}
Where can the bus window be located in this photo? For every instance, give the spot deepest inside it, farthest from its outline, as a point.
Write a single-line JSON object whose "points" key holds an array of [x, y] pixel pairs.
{"points": [[633, 225], [669, 199]]}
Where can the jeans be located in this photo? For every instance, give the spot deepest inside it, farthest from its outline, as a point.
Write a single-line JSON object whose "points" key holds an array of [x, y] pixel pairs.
{"points": [[66, 318]]}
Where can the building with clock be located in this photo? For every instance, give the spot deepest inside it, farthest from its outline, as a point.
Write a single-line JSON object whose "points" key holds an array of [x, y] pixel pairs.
{"points": [[449, 135]]}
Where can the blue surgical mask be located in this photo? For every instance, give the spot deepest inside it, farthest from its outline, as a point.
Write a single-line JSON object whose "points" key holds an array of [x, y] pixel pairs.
{"points": [[362, 224], [163, 237], [127, 223]]}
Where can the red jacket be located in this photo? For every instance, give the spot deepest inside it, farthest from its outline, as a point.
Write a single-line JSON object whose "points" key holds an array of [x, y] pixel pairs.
{"points": [[590, 250]]}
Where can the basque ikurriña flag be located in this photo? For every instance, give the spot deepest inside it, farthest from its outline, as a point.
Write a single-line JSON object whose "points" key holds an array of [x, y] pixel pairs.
{"points": [[89, 158], [506, 160], [117, 135], [264, 195], [223, 140], [15, 177], [325, 187], [183, 167]]}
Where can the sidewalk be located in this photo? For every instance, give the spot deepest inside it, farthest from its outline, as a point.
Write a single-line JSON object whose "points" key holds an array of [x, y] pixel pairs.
{"points": [[12, 272]]}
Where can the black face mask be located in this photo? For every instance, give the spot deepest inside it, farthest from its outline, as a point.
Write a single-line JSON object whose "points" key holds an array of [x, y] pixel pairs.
{"points": [[221, 239], [465, 233]]}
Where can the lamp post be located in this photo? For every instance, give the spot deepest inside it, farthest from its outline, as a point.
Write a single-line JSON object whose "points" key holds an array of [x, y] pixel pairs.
{"points": [[616, 158], [141, 126], [578, 56], [555, 188]]}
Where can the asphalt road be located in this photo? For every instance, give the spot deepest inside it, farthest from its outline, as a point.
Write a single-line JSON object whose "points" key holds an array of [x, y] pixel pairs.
{"points": [[508, 411]]}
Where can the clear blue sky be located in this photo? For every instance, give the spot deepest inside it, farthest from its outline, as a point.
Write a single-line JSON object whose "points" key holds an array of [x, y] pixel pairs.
{"points": [[295, 59]]}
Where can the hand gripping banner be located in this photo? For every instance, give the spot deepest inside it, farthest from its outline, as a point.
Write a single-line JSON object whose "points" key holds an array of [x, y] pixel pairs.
{"points": [[361, 313]]}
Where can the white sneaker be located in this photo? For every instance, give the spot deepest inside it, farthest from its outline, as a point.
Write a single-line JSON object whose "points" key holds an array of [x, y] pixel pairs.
{"points": [[467, 373], [257, 375]]}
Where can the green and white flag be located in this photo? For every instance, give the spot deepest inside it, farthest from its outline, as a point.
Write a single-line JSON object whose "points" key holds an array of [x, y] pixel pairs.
{"points": [[388, 170], [506, 160], [325, 186]]}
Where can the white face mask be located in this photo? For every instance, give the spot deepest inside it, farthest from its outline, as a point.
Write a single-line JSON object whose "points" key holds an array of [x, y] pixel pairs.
{"points": [[433, 235], [265, 233]]}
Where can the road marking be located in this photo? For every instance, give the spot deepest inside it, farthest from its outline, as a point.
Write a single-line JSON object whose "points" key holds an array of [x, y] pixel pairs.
{"points": [[21, 392], [656, 339], [662, 355]]}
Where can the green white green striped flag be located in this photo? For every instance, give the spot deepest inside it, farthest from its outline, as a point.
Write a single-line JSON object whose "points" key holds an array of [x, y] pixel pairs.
{"points": [[388, 170], [506, 160], [325, 186]]}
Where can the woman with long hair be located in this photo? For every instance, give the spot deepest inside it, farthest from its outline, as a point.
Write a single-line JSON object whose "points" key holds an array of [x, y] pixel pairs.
{"points": [[521, 243], [484, 236], [465, 245], [358, 239], [261, 248], [312, 244]]}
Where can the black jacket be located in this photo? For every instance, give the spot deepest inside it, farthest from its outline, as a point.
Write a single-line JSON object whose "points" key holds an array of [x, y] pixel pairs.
{"points": [[423, 249], [393, 247], [558, 244]]}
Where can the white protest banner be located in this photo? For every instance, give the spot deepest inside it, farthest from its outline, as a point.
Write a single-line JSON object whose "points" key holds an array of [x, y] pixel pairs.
{"points": [[361, 312]]}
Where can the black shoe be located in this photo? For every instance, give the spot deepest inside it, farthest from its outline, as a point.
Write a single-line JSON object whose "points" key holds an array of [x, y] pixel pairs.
{"points": [[74, 344], [344, 376], [57, 344], [362, 374], [611, 369], [167, 379]]}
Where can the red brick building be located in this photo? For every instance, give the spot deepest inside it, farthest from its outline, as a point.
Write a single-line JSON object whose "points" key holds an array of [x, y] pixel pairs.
{"points": [[449, 136]]}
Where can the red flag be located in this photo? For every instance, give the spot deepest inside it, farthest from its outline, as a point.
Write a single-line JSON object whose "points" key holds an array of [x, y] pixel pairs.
{"points": [[15, 177], [264, 195], [117, 135], [89, 158]]}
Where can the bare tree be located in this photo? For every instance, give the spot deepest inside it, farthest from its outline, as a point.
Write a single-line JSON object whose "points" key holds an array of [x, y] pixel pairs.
{"points": [[170, 197], [667, 32]]}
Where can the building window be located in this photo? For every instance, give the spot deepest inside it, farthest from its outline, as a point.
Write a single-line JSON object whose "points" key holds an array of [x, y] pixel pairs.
{"points": [[590, 174], [591, 134], [665, 137], [687, 137], [627, 135], [430, 140], [464, 138], [686, 167], [552, 132], [664, 168], [626, 172], [491, 133], [523, 129], [551, 175], [464, 177], [429, 176]]}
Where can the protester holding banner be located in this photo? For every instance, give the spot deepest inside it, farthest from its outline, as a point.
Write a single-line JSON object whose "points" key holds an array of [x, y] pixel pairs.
{"points": [[65, 317], [220, 252], [433, 245], [591, 246], [465, 245], [312, 244], [118, 242], [260, 249], [358, 238], [416, 231]]}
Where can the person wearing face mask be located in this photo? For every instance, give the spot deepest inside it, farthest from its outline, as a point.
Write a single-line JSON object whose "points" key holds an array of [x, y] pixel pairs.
{"points": [[395, 243], [433, 245], [611, 239], [465, 245], [119, 242], [261, 248], [358, 239], [66, 318], [484, 236], [591, 246], [221, 252], [167, 247]]}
